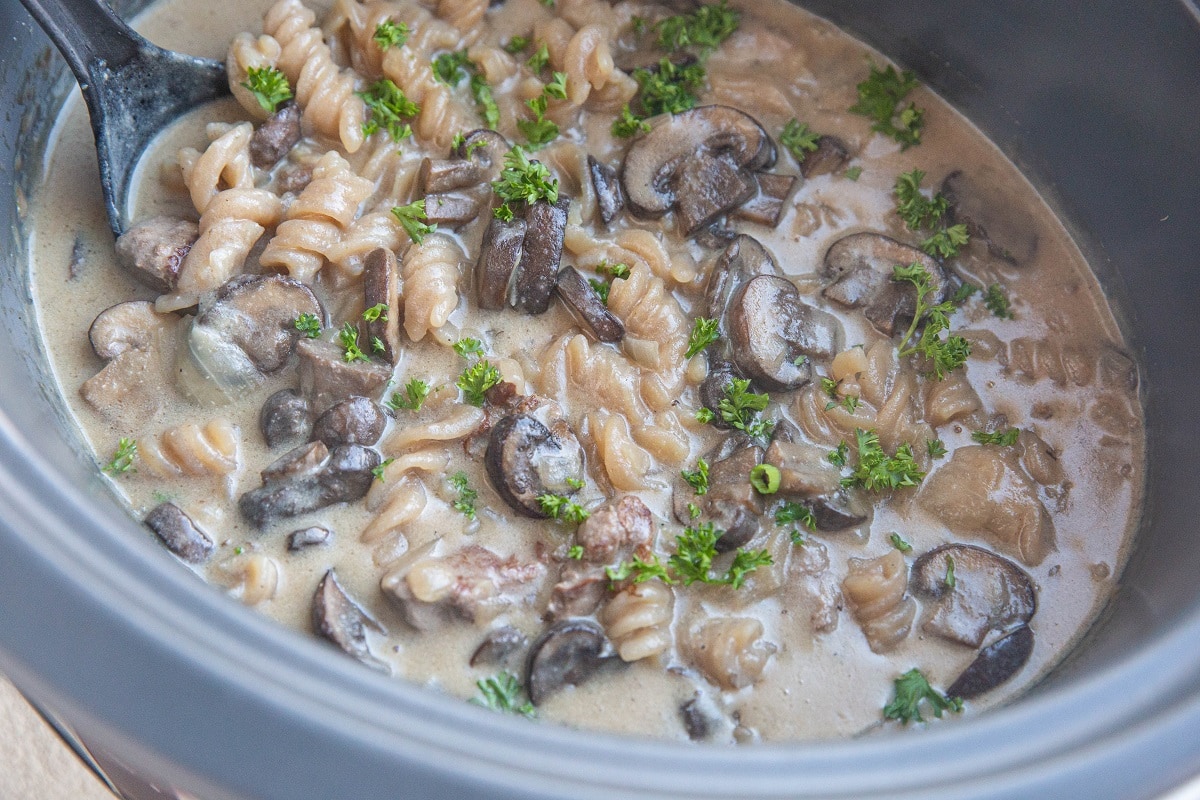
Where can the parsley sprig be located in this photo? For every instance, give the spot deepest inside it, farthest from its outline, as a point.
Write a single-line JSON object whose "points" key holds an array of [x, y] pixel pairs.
{"points": [[705, 28], [390, 33], [476, 380], [997, 302], [669, 89], [881, 99], [564, 508], [123, 457], [799, 139], [740, 408], [389, 107], [308, 324], [413, 220], [910, 689], [692, 561], [1004, 438], [613, 272], [502, 693], [697, 478], [465, 504], [269, 87], [523, 181], [924, 213], [876, 470], [945, 354], [628, 124], [415, 392], [348, 339], [704, 332]]}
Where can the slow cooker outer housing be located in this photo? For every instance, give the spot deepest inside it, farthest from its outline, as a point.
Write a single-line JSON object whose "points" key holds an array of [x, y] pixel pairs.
{"points": [[1096, 102]]}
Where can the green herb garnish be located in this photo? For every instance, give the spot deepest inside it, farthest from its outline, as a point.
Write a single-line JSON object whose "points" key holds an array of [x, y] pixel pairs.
{"points": [[628, 124], [465, 504], [390, 34], [415, 392], [799, 139], [898, 542], [877, 471], [523, 181], [789, 512], [348, 339], [375, 313], [502, 693], [704, 28], [997, 302], [469, 348], [516, 44], [950, 580], [935, 448], [704, 333], [476, 380], [946, 354], [269, 87], [308, 324], [538, 61], [697, 478], [881, 97], [911, 688], [381, 469], [564, 508], [451, 68], [389, 108], [852, 173], [123, 457], [488, 109], [922, 213], [740, 408], [670, 89], [1004, 438]]}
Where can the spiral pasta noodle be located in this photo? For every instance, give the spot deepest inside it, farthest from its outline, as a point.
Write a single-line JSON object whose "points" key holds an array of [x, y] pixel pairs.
{"points": [[247, 51], [730, 651], [638, 618], [876, 590], [652, 317], [430, 273], [190, 450]]}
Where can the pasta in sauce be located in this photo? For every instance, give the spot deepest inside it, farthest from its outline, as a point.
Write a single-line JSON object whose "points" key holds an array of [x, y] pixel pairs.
{"points": [[664, 451]]}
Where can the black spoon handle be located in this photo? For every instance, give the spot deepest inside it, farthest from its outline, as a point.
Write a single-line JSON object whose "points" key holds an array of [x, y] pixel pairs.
{"points": [[86, 32]]}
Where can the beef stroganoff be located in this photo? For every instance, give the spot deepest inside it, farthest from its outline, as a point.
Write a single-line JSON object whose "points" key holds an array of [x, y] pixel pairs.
{"points": [[683, 371]]}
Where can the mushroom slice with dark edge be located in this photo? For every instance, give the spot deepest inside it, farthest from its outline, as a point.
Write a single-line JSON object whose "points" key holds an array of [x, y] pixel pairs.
{"points": [[355, 420], [498, 258], [179, 533], [861, 267], [445, 175], [308, 478], [499, 647], [381, 286], [743, 259], [567, 653], [153, 250], [995, 664], [1002, 225], [698, 163], [766, 206], [805, 474], [829, 157], [326, 378], [453, 209], [610, 199], [132, 325], [276, 137], [485, 147], [989, 593], [587, 307], [731, 503], [344, 622], [713, 389], [305, 538], [284, 418], [138, 344], [248, 332], [525, 460], [775, 337], [541, 253]]}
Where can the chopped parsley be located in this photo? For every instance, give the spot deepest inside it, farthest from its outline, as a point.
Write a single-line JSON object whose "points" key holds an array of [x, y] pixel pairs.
{"points": [[877, 471], [950, 580], [693, 510], [839, 455], [936, 448], [308, 324], [1004, 438], [348, 339], [539, 130], [390, 34], [789, 512], [123, 457], [575, 483], [881, 99], [557, 87], [695, 550], [704, 415], [389, 108], [639, 571], [799, 139], [765, 478], [628, 124], [922, 213], [523, 181], [669, 89], [740, 408], [898, 542], [697, 478], [853, 173], [486, 101], [564, 508], [997, 302], [465, 504], [476, 380], [269, 87], [576, 552], [378, 471], [375, 313], [502, 693], [911, 688], [451, 68], [516, 44], [614, 272], [705, 28], [469, 348], [415, 392], [946, 354], [963, 293], [538, 61], [377, 345], [704, 333]]}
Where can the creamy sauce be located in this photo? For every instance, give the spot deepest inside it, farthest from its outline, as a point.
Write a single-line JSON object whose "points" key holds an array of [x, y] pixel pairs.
{"points": [[816, 685]]}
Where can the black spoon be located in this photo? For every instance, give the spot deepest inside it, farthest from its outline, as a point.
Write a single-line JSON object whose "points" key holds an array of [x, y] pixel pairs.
{"points": [[133, 88]]}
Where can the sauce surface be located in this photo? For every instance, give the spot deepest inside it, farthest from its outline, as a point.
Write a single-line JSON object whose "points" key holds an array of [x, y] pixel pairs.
{"points": [[1056, 370]]}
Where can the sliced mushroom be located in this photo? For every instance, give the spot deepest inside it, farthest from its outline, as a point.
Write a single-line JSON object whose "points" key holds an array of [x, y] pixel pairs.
{"points": [[698, 163], [276, 137], [305, 538], [860, 267], [587, 307], [485, 147], [381, 286], [989, 593], [138, 344], [829, 157], [453, 209], [499, 646], [326, 378], [153, 250], [775, 337], [525, 460], [610, 199], [344, 622], [766, 206], [567, 653], [745, 258], [730, 503], [995, 664], [445, 175], [499, 255], [355, 420], [181, 536], [541, 254], [1002, 225], [308, 478], [713, 389], [284, 418]]}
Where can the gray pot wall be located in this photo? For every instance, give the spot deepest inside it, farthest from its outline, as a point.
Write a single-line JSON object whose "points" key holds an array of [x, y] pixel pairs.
{"points": [[1097, 102]]}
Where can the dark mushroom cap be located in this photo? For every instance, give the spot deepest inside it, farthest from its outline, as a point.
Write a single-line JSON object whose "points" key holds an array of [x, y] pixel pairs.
{"points": [[355, 420], [860, 267], [154, 249], [485, 147], [339, 619], [256, 314], [566, 654], [381, 285], [610, 198], [275, 138], [541, 255], [498, 647], [284, 418], [770, 329], [503, 244], [731, 502], [830, 156], [179, 533], [1002, 225], [686, 143], [525, 460], [586, 306], [743, 259], [990, 593], [995, 664]]}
